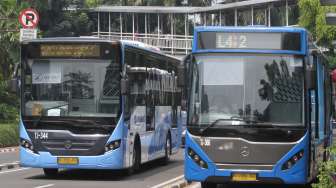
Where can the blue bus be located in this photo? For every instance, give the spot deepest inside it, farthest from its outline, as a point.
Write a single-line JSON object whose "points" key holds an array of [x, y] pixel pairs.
{"points": [[259, 106], [96, 104]]}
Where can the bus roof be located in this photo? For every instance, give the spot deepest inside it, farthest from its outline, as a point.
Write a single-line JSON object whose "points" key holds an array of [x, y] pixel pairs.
{"points": [[66, 39], [249, 29], [135, 44]]}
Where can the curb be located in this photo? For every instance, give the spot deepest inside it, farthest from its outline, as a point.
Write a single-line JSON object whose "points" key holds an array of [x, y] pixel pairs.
{"points": [[9, 166], [179, 184], [7, 150]]}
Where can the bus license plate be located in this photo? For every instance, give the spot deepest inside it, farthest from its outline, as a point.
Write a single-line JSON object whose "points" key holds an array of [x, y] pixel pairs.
{"points": [[67, 160], [244, 177]]}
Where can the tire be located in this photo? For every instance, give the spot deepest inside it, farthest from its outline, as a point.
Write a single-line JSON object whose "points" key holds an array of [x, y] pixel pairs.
{"points": [[50, 172], [205, 184], [168, 149], [136, 161]]}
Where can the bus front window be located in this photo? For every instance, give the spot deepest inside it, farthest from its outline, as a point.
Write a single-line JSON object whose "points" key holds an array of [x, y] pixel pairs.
{"points": [[71, 88], [240, 89]]}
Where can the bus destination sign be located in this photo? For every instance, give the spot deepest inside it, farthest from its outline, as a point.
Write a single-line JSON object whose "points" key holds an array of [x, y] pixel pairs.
{"points": [[70, 50], [249, 40]]}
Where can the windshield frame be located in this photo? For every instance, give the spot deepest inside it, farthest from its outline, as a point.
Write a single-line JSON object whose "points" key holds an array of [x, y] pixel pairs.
{"points": [[242, 123]]}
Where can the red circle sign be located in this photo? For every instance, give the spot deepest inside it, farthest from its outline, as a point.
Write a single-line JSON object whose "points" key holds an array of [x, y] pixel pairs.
{"points": [[29, 18]]}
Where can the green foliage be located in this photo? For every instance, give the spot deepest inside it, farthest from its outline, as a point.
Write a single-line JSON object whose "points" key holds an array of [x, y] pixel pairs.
{"points": [[312, 17], [9, 134], [8, 105], [326, 169]]}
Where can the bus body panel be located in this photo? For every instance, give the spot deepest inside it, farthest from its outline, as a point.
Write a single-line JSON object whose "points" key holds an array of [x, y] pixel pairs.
{"points": [[109, 160]]}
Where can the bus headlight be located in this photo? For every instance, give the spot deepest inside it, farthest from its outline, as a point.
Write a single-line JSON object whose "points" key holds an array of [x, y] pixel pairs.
{"points": [[27, 145], [113, 145], [293, 160], [197, 159]]}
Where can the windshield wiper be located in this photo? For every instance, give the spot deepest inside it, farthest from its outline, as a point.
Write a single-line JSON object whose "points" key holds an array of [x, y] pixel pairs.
{"points": [[36, 122], [219, 120], [247, 119]]}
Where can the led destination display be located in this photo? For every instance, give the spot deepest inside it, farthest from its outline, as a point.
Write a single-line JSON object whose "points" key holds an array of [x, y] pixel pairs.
{"points": [[249, 40]]}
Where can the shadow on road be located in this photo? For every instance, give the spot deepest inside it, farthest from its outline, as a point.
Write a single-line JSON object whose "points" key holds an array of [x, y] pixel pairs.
{"points": [[147, 169]]}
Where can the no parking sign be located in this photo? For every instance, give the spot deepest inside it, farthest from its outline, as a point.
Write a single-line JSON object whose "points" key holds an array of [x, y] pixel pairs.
{"points": [[29, 18]]}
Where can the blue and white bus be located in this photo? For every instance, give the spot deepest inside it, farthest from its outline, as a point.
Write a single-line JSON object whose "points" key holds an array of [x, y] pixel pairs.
{"points": [[96, 104], [259, 107]]}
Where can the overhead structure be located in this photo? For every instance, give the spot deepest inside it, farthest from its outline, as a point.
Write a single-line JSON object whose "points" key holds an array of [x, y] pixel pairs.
{"points": [[330, 17], [327, 2], [171, 28]]}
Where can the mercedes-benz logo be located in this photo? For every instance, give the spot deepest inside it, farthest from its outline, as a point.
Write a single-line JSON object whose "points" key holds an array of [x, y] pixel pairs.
{"points": [[67, 144], [244, 151]]}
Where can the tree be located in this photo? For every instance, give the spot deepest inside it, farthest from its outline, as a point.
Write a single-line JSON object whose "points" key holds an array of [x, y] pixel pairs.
{"points": [[9, 55], [312, 17]]}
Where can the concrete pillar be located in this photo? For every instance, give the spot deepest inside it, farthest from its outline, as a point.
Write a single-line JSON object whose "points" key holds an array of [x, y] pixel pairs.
{"points": [[269, 16], [110, 25], [121, 26], [252, 15], [220, 17], [236, 17], [98, 32], [186, 32], [146, 28], [286, 12], [133, 34]]}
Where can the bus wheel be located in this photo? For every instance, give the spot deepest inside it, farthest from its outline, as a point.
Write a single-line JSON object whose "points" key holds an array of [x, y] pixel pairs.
{"points": [[205, 184], [167, 150], [50, 172], [135, 159]]}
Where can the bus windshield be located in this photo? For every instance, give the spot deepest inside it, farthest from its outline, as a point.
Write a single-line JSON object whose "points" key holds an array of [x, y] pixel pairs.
{"points": [[241, 89], [71, 88]]}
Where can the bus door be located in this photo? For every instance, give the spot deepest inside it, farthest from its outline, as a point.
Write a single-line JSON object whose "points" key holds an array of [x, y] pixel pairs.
{"points": [[321, 106], [150, 113], [316, 118]]}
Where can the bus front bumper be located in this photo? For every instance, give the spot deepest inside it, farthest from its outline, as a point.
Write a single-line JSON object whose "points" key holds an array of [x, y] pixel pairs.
{"points": [[296, 175], [110, 160]]}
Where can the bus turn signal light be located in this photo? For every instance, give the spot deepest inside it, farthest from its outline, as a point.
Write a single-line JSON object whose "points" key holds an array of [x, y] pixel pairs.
{"points": [[197, 159], [292, 161], [113, 145]]}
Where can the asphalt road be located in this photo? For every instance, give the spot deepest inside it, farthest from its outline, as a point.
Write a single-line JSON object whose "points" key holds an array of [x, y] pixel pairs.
{"points": [[9, 157], [152, 174]]}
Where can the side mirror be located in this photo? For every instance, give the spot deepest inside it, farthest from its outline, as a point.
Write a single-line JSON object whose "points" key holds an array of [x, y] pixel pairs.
{"points": [[13, 85], [181, 76], [311, 78], [124, 86]]}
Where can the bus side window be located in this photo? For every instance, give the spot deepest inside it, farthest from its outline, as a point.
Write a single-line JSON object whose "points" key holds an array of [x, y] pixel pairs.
{"points": [[150, 93], [136, 75], [174, 98]]}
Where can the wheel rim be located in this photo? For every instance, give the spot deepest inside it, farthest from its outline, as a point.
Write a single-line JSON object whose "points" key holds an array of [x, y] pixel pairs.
{"points": [[168, 148], [134, 157]]}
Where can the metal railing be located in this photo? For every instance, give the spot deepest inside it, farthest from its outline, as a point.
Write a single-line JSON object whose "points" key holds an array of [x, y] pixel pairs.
{"points": [[171, 44]]}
